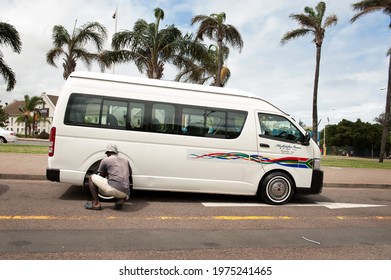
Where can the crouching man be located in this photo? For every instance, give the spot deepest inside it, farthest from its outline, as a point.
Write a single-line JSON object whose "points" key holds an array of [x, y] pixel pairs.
{"points": [[113, 180]]}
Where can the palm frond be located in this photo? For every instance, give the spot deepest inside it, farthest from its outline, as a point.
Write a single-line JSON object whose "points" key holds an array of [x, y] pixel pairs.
{"points": [[294, 34], [86, 57], [330, 21], [233, 37], [320, 9], [91, 31], [52, 55], [122, 39], [9, 36], [8, 75], [305, 21], [370, 6], [121, 56], [60, 36]]}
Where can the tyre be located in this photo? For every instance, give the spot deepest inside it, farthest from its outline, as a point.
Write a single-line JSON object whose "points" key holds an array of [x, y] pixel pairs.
{"points": [[103, 197], [276, 189]]}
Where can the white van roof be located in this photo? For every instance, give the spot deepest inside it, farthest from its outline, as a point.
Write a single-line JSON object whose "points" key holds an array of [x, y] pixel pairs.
{"points": [[165, 84]]}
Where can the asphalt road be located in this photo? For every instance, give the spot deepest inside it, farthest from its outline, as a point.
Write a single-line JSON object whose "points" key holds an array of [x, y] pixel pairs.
{"points": [[44, 220]]}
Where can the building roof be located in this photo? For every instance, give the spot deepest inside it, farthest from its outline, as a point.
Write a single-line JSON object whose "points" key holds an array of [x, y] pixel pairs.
{"points": [[12, 109], [53, 98]]}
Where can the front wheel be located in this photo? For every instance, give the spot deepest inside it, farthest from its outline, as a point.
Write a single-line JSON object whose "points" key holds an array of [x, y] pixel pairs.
{"points": [[276, 189]]}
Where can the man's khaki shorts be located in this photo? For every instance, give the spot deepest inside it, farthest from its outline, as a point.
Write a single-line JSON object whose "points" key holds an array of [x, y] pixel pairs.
{"points": [[105, 188]]}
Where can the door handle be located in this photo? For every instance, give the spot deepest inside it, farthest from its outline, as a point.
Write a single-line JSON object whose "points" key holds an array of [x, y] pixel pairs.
{"points": [[264, 145]]}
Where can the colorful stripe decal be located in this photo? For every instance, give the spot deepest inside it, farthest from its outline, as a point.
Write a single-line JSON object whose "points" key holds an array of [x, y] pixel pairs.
{"points": [[296, 162]]}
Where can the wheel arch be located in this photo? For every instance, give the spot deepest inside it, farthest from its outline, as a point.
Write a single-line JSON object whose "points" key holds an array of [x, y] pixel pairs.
{"points": [[273, 171], [93, 169]]}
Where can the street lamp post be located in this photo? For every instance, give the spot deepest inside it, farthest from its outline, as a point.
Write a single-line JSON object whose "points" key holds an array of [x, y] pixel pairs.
{"points": [[324, 136]]}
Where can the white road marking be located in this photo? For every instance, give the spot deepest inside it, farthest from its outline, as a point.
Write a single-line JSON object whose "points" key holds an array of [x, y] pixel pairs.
{"points": [[330, 205], [336, 205]]}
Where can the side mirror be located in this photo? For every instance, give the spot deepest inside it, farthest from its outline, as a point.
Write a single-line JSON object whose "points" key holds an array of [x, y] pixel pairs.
{"points": [[306, 139]]}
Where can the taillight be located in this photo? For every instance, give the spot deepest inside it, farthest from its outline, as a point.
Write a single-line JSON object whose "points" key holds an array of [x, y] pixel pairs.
{"points": [[52, 141]]}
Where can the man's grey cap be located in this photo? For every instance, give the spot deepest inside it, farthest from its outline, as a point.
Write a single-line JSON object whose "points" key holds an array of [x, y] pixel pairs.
{"points": [[111, 148]]}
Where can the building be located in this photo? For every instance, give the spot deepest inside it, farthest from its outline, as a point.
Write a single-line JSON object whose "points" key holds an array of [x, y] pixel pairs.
{"points": [[47, 111]]}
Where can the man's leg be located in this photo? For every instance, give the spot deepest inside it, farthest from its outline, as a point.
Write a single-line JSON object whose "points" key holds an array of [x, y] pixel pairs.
{"points": [[94, 193], [120, 202]]}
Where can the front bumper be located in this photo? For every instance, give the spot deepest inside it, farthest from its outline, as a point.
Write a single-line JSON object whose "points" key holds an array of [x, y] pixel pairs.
{"points": [[316, 184]]}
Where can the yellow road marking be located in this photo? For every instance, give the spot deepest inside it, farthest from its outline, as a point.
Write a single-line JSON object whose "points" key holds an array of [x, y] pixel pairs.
{"points": [[235, 218], [28, 218], [168, 218]]}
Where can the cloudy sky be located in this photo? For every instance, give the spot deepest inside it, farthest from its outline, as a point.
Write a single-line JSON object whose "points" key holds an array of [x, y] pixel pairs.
{"points": [[353, 68]]}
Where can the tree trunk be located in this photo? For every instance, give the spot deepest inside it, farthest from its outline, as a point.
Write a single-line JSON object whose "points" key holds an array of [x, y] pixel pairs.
{"points": [[219, 62], [315, 95], [386, 124], [69, 66], [25, 128]]}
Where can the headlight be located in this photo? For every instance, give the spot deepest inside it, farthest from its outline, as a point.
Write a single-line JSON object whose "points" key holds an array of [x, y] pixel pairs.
{"points": [[317, 164]]}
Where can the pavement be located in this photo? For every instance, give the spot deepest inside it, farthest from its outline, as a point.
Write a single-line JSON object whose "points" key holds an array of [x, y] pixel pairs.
{"points": [[33, 167]]}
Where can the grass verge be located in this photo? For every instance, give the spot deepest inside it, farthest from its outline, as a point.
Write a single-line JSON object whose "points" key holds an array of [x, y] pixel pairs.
{"points": [[23, 149], [355, 162]]}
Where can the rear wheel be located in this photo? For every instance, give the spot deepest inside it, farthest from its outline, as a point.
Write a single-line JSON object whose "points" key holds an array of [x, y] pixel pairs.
{"points": [[277, 188]]}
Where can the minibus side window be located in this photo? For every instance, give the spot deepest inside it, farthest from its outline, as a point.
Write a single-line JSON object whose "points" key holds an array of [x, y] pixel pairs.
{"points": [[92, 113], [114, 113], [136, 116], [162, 118], [235, 124], [278, 128], [83, 110], [215, 123], [140, 115], [193, 121]]}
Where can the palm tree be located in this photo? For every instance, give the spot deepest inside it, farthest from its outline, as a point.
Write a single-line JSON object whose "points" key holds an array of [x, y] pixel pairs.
{"points": [[149, 47], [213, 27], [29, 112], [72, 46], [198, 63], [311, 22], [363, 8], [9, 36]]}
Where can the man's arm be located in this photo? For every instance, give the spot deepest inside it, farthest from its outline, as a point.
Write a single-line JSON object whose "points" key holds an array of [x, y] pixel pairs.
{"points": [[102, 169]]}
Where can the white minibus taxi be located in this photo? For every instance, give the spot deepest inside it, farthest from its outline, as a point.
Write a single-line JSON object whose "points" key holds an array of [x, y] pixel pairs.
{"points": [[181, 137]]}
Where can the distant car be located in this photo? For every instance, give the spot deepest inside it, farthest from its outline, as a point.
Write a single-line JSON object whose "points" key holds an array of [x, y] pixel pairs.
{"points": [[7, 136]]}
